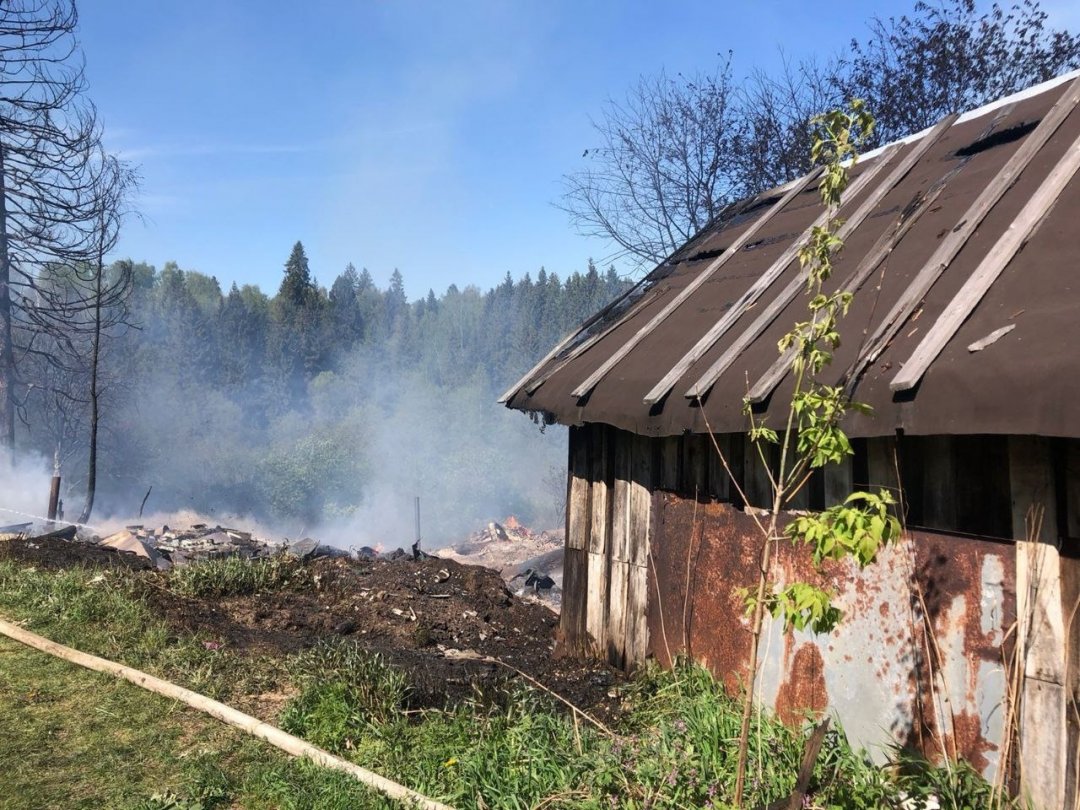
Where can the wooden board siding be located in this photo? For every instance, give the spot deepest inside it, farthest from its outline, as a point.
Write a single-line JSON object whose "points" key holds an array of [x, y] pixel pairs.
{"points": [[640, 500], [837, 482], [668, 471], [572, 622], [596, 604], [615, 641], [620, 501], [600, 480], [695, 466], [755, 477], [577, 517], [1043, 722], [605, 597], [939, 470]]}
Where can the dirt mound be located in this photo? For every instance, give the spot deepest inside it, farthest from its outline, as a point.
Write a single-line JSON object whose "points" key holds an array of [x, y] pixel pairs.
{"points": [[416, 613], [54, 553], [409, 611]]}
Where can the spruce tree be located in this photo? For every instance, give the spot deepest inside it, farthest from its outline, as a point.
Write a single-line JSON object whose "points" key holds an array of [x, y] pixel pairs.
{"points": [[297, 289]]}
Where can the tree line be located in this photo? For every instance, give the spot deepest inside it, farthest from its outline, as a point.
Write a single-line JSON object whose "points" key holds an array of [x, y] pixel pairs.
{"points": [[307, 402], [300, 405]]}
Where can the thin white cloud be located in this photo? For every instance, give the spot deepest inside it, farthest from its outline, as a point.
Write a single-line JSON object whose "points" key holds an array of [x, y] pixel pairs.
{"points": [[166, 151]]}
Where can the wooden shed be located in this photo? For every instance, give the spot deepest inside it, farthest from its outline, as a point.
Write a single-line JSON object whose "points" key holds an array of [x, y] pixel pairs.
{"points": [[962, 249]]}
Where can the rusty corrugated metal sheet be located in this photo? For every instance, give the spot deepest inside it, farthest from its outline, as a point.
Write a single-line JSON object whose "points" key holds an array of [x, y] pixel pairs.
{"points": [[893, 673]]}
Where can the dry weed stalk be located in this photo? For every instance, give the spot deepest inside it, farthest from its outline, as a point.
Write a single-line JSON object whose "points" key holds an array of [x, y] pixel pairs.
{"points": [[469, 655], [1012, 741]]}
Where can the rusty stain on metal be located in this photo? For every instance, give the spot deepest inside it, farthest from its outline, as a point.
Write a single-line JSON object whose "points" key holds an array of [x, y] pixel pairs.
{"points": [[875, 671]]}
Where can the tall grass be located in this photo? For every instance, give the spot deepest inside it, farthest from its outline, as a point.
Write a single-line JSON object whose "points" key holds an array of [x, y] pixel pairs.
{"points": [[238, 576], [676, 747]]}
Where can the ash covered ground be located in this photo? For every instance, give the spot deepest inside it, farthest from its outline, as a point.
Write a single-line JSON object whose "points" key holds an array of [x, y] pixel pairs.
{"points": [[431, 616]]}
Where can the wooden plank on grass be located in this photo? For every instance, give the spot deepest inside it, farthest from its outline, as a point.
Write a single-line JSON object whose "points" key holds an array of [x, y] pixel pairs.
{"points": [[590, 382], [988, 271], [291, 745]]}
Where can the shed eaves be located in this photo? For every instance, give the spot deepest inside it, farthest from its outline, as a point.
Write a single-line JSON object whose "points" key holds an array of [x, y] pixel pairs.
{"points": [[1025, 382]]}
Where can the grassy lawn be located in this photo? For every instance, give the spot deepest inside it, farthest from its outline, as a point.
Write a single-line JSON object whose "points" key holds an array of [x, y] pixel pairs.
{"points": [[73, 738]]}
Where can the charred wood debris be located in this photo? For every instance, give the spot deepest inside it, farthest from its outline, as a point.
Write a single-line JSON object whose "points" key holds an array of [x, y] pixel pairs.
{"points": [[530, 562]]}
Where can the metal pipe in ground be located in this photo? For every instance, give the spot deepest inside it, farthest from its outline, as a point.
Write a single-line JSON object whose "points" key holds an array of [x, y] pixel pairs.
{"points": [[54, 497]]}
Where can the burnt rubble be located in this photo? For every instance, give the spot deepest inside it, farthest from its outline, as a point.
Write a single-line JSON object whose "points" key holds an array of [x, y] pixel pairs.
{"points": [[509, 548]]}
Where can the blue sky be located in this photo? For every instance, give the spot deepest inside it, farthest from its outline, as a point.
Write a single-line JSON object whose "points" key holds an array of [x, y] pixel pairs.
{"points": [[427, 136]]}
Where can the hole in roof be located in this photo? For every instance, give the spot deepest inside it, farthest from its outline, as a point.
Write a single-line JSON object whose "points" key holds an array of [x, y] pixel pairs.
{"points": [[766, 203], [998, 138], [707, 254]]}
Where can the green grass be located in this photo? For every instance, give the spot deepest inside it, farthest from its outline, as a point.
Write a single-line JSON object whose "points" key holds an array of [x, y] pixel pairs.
{"points": [[71, 738], [81, 740], [236, 576]]}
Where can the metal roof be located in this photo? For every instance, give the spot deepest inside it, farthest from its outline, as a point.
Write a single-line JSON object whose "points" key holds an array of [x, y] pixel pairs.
{"points": [[962, 248]]}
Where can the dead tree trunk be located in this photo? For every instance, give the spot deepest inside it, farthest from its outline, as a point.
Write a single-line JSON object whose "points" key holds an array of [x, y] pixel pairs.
{"points": [[7, 352]]}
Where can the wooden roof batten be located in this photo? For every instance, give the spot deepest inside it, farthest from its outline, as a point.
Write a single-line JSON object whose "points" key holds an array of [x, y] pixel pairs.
{"points": [[770, 313], [587, 386], [924, 249], [988, 271], [533, 379], [766, 280], [884, 246], [959, 235]]}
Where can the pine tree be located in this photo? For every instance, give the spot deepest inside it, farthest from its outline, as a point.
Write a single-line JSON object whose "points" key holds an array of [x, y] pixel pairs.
{"points": [[297, 289], [345, 312], [395, 302]]}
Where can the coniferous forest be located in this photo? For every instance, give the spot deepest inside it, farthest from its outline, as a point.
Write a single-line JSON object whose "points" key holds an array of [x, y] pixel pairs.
{"points": [[321, 407]]}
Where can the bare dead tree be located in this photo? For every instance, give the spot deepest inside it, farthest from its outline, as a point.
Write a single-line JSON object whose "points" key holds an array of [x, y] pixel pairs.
{"points": [[947, 57], [48, 137], [675, 152], [116, 181], [663, 167], [776, 112]]}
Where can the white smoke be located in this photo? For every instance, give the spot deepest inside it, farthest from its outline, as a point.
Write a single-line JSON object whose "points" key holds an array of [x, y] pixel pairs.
{"points": [[24, 487]]}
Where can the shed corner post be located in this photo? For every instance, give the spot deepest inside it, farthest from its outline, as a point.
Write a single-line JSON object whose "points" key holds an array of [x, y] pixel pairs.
{"points": [[1040, 623]]}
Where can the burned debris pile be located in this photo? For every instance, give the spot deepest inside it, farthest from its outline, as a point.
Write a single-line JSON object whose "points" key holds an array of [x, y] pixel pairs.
{"points": [[443, 622], [166, 546], [530, 562]]}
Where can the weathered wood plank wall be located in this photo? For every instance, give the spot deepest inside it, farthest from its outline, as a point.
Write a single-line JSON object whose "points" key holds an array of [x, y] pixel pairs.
{"points": [[1041, 629], [609, 495]]}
